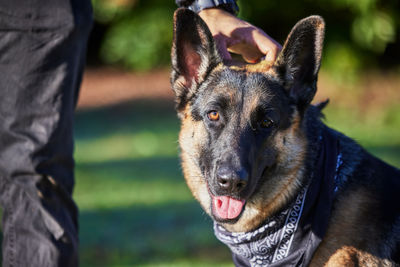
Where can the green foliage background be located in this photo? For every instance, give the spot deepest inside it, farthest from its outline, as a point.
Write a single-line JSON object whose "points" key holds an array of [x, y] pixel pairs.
{"points": [[360, 33], [137, 34]]}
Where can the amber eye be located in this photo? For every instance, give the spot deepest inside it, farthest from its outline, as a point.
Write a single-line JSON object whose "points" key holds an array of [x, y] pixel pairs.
{"points": [[213, 115], [266, 123]]}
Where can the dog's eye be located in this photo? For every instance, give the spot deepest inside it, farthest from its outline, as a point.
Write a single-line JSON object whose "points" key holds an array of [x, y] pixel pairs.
{"points": [[266, 123], [213, 115]]}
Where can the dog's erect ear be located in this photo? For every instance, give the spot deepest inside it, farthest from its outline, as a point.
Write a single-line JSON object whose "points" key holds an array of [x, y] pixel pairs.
{"points": [[193, 54], [299, 61]]}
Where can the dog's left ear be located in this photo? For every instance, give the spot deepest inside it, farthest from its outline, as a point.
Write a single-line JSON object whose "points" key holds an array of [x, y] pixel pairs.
{"points": [[193, 54], [299, 61]]}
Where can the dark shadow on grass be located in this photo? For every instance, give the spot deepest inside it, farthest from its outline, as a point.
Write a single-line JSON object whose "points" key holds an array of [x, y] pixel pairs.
{"points": [[149, 234], [131, 117]]}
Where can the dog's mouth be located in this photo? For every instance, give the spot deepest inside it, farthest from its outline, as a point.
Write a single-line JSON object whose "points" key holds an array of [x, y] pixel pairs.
{"points": [[226, 208]]}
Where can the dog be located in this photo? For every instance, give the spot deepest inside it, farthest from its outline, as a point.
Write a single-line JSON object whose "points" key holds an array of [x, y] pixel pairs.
{"points": [[282, 188]]}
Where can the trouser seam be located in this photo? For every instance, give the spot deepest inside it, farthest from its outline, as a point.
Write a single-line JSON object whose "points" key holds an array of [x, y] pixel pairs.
{"points": [[11, 232]]}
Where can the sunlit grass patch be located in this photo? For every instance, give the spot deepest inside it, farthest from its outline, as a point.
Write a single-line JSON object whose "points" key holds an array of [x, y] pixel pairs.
{"points": [[123, 146], [130, 182]]}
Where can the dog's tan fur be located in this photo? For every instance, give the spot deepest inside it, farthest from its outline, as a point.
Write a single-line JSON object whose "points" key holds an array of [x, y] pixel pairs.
{"points": [[191, 136]]}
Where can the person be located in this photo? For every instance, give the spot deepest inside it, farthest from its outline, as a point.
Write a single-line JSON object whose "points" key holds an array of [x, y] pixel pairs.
{"points": [[231, 33], [42, 55]]}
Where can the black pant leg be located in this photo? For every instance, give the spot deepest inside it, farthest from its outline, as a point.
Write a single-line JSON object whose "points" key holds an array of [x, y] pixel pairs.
{"points": [[42, 51]]}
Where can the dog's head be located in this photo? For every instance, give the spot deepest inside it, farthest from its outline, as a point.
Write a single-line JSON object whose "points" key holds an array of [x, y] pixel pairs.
{"points": [[242, 134]]}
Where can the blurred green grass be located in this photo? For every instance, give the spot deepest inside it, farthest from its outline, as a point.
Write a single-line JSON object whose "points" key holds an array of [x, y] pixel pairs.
{"points": [[135, 209], [378, 132]]}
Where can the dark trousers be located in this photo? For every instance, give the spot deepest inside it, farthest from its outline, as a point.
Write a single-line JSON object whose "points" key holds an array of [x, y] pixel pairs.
{"points": [[42, 54]]}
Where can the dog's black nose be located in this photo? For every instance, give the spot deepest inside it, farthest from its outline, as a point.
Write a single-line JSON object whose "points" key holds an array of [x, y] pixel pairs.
{"points": [[231, 180]]}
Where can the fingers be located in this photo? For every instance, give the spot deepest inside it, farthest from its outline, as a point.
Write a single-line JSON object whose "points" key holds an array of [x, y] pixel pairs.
{"points": [[253, 44], [266, 45], [250, 53], [222, 47], [238, 36]]}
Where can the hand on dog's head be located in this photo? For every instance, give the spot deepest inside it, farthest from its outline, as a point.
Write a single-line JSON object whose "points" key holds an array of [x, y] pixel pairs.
{"points": [[298, 62]]}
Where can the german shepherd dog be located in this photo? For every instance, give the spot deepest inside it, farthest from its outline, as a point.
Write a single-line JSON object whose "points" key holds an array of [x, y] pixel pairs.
{"points": [[282, 188]]}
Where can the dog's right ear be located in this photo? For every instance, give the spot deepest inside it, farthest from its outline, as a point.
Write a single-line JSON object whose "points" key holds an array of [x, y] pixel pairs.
{"points": [[299, 61], [193, 55]]}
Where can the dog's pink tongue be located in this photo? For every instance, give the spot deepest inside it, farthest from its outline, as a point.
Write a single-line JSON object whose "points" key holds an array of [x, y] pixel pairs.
{"points": [[226, 207]]}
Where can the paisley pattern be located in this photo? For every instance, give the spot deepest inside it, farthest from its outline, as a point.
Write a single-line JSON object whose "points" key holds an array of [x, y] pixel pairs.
{"points": [[269, 243]]}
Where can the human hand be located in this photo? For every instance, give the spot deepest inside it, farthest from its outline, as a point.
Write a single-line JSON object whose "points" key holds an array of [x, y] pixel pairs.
{"points": [[240, 37]]}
